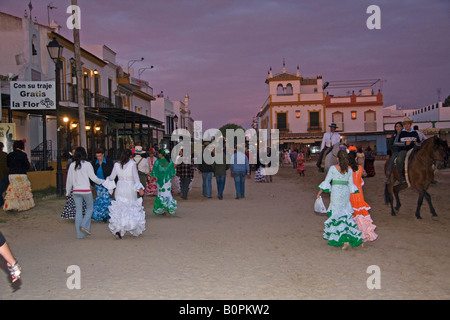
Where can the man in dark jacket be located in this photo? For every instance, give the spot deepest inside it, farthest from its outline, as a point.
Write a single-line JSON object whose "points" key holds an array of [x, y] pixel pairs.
{"points": [[102, 162], [207, 172]]}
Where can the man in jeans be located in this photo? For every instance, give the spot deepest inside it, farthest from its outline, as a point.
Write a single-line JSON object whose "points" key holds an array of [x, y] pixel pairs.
{"points": [[240, 168], [207, 172]]}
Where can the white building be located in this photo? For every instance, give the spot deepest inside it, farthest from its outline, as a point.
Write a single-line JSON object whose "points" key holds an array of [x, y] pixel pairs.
{"points": [[300, 109], [295, 106], [433, 119], [174, 115], [117, 112]]}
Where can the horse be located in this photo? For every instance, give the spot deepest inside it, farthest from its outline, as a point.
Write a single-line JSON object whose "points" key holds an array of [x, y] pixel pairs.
{"points": [[331, 157], [420, 174]]}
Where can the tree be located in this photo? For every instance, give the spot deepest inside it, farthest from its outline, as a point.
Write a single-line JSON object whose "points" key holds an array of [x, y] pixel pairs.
{"points": [[447, 102], [232, 126]]}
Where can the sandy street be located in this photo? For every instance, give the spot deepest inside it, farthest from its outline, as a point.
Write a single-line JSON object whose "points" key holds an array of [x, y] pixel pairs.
{"points": [[266, 246]]}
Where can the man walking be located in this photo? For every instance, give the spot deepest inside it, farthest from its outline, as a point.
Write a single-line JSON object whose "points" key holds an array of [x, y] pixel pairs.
{"points": [[240, 168]]}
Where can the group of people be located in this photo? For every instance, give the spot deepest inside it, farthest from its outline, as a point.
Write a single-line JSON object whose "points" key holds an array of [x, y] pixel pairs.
{"points": [[138, 174], [402, 141], [349, 223], [18, 196], [295, 157], [125, 212]]}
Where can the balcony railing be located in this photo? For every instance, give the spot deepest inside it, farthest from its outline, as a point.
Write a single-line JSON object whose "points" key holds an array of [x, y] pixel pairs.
{"points": [[282, 127], [370, 126], [315, 126], [102, 102], [89, 99]]}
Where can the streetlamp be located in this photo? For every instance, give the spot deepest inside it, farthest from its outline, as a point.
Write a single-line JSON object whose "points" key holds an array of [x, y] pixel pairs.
{"points": [[175, 119], [141, 70], [131, 62], [55, 51]]}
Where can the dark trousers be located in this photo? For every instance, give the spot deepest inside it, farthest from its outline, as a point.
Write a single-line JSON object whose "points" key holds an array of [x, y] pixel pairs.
{"points": [[4, 183], [2, 240], [184, 186], [325, 151]]}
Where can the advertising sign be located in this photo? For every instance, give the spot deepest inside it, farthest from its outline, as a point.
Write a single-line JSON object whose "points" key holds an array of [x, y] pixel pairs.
{"points": [[35, 95], [7, 135]]}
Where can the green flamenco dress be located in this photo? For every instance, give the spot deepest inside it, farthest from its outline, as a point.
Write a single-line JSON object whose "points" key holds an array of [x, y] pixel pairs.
{"points": [[340, 226], [164, 171]]}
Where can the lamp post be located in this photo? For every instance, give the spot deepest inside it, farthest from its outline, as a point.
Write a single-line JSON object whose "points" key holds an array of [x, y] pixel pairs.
{"points": [[141, 70], [131, 62], [55, 51], [175, 119]]}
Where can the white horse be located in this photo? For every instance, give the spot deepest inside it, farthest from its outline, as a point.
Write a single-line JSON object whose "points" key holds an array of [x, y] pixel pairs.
{"points": [[331, 157]]}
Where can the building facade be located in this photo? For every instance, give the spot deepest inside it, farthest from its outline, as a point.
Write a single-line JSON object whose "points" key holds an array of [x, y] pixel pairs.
{"points": [[119, 109], [300, 109]]}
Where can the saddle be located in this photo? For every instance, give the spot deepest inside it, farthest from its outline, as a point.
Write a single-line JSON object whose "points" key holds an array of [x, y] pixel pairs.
{"points": [[408, 157]]}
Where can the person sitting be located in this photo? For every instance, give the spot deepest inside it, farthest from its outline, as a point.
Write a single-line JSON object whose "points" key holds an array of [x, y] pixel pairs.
{"points": [[330, 138], [408, 138]]}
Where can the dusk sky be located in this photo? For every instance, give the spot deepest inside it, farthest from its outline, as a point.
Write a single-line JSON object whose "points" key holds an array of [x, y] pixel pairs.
{"points": [[219, 51]]}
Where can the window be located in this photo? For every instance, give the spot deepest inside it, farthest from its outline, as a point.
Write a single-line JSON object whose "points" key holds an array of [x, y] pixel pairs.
{"points": [[289, 91], [280, 90], [314, 120], [281, 121]]}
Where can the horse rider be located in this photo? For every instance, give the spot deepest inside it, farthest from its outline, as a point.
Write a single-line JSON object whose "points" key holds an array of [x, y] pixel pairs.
{"points": [[408, 139], [330, 138]]}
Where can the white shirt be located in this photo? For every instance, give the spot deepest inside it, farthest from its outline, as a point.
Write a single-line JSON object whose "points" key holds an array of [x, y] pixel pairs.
{"points": [[422, 136], [79, 179], [142, 164], [330, 139]]}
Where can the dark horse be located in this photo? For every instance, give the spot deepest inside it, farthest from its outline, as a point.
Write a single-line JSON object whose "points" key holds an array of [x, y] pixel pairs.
{"points": [[420, 174]]}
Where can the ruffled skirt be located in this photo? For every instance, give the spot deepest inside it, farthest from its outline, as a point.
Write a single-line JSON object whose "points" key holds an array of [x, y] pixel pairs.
{"points": [[18, 195], [367, 228], [126, 216], [70, 210], [259, 175], [101, 204], [151, 189], [340, 229], [164, 200], [362, 218]]}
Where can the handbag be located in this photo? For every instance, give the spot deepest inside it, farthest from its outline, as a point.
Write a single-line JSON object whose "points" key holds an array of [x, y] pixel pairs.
{"points": [[319, 206]]}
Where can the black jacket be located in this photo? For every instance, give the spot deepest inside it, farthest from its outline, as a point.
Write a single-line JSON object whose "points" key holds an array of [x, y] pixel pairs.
{"points": [[17, 162], [106, 167]]}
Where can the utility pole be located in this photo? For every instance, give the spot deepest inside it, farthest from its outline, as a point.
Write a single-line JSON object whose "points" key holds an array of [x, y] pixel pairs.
{"points": [[81, 115]]}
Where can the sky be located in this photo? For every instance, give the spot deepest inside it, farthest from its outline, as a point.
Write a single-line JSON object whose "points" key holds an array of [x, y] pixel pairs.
{"points": [[220, 51]]}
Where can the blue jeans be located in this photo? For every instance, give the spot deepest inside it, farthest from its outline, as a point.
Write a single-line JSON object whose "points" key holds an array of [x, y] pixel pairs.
{"points": [[207, 186], [239, 183], [80, 220], [220, 185]]}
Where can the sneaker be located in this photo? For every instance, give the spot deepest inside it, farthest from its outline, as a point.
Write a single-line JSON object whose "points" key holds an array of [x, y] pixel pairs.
{"points": [[86, 232]]}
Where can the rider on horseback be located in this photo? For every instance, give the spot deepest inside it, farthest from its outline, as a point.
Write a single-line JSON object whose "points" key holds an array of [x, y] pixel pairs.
{"points": [[330, 138], [408, 139]]}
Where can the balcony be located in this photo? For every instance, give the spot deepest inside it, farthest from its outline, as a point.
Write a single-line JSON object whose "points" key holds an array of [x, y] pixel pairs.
{"points": [[370, 126], [284, 127], [89, 99], [315, 126], [102, 102]]}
